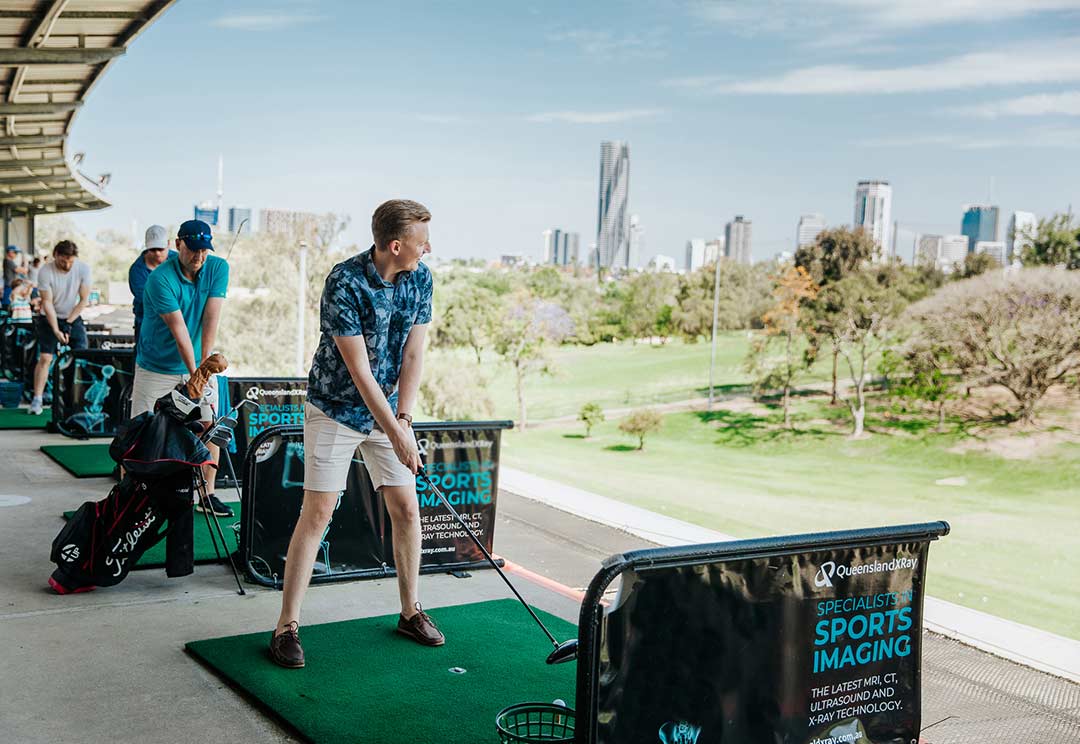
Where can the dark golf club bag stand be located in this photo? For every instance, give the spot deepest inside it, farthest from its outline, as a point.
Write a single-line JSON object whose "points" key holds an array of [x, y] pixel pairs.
{"points": [[162, 457]]}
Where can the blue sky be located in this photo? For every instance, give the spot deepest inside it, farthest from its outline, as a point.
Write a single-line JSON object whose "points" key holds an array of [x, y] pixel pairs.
{"points": [[492, 113]]}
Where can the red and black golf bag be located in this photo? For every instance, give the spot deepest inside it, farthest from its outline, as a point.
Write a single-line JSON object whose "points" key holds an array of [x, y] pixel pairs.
{"points": [[160, 453]]}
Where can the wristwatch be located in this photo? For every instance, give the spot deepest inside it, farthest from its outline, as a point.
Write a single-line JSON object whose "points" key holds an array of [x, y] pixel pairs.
{"points": [[405, 417]]}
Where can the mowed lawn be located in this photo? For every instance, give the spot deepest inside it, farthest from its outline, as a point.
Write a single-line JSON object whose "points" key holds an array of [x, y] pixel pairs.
{"points": [[625, 374], [1015, 523]]}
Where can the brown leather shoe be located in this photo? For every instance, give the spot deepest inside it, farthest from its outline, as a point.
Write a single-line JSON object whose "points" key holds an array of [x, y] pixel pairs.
{"points": [[421, 628], [285, 647]]}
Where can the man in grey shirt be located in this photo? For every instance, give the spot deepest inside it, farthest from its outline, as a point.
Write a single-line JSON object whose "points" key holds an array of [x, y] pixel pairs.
{"points": [[64, 285]]}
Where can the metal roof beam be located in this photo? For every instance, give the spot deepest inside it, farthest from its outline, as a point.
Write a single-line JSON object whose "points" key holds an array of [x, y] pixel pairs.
{"points": [[17, 109], [8, 166], [78, 15], [39, 56], [63, 178], [34, 140]]}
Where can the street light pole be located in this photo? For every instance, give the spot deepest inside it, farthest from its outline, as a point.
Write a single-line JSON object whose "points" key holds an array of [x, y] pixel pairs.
{"points": [[301, 300], [715, 315]]}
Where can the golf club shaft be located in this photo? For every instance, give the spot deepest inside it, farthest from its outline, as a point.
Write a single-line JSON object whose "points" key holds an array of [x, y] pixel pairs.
{"points": [[487, 555], [235, 237]]}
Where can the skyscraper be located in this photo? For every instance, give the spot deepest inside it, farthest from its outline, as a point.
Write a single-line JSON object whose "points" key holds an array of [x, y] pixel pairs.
{"points": [[953, 250], [695, 253], [714, 250], [1021, 229], [980, 224], [929, 249], [560, 247], [637, 242], [993, 248], [237, 215], [737, 235], [810, 226], [873, 213], [613, 221]]}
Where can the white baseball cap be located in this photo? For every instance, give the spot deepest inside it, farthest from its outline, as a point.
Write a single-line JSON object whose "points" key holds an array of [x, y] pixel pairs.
{"points": [[156, 237]]}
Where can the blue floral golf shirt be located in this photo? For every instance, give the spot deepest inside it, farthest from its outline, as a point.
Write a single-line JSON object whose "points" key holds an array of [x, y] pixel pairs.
{"points": [[356, 301]]}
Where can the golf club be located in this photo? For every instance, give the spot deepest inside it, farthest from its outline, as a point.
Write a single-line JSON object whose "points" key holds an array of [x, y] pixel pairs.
{"points": [[564, 651], [235, 237]]}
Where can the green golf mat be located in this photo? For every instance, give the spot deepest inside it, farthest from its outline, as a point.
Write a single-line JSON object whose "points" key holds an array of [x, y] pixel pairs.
{"points": [[81, 460], [204, 546], [19, 418], [365, 683]]}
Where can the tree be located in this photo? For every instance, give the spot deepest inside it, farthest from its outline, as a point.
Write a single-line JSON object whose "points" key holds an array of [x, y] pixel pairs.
{"points": [[466, 318], [783, 325], [975, 264], [1020, 331], [640, 423], [927, 377], [643, 301], [1054, 242], [744, 297], [865, 312], [451, 390], [525, 326], [591, 415], [834, 255]]}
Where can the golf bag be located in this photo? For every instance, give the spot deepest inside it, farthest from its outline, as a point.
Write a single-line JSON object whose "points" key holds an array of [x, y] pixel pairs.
{"points": [[104, 540]]}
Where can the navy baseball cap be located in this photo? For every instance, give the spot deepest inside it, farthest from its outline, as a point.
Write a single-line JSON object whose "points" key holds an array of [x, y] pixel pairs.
{"points": [[196, 235]]}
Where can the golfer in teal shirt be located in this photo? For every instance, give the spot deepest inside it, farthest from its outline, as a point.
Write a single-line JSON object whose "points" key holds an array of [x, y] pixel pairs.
{"points": [[182, 304]]}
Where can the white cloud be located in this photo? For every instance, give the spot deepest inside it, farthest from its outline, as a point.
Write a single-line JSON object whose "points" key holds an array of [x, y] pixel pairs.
{"points": [[1049, 61], [1052, 137], [593, 117], [1043, 104], [894, 14], [263, 21], [606, 46]]}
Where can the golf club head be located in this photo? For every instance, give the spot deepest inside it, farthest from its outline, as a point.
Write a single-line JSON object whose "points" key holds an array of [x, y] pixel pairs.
{"points": [[564, 652]]}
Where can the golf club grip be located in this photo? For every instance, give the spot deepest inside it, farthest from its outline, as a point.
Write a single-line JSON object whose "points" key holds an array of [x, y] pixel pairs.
{"points": [[487, 555]]}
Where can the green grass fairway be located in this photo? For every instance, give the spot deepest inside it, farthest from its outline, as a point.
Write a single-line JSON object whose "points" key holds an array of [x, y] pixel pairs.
{"points": [[365, 683], [204, 547], [1015, 524], [19, 418], [82, 460]]}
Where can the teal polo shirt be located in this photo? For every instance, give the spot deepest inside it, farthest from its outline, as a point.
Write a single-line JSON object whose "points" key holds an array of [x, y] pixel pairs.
{"points": [[168, 290]]}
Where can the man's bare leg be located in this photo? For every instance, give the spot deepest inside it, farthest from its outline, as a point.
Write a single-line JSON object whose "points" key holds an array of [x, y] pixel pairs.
{"points": [[209, 471], [303, 547], [405, 518], [41, 374]]}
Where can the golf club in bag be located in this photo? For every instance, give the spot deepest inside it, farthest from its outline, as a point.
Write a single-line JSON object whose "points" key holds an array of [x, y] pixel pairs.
{"points": [[564, 651], [162, 455]]}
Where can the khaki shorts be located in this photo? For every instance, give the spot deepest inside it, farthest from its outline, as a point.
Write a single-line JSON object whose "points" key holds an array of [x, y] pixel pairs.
{"points": [[149, 386], [329, 448]]}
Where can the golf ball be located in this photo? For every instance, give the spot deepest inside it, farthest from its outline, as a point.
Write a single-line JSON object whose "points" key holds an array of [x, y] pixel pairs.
{"points": [[456, 670], [559, 701]]}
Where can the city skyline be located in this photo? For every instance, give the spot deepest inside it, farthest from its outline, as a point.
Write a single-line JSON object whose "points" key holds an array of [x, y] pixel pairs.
{"points": [[858, 91]]}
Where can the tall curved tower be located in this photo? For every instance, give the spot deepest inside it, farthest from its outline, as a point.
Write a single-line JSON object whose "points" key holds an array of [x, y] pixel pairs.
{"points": [[613, 222]]}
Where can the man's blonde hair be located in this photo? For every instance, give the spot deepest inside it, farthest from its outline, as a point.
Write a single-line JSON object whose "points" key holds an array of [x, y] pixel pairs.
{"points": [[393, 218]]}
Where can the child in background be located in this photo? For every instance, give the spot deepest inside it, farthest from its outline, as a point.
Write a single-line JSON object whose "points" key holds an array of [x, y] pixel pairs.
{"points": [[20, 301]]}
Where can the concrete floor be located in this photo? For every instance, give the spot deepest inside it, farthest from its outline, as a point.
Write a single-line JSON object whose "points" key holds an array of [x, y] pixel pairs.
{"points": [[108, 666]]}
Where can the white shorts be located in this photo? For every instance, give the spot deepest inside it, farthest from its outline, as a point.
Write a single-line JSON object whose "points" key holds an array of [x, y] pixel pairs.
{"points": [[149, 386], [329, 448]]}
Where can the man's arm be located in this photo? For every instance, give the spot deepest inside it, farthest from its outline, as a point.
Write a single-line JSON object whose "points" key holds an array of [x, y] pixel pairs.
{"points": [[354, 352], [50, 314], [178, 328], [412, 366], [84, 297], [211, 316]]}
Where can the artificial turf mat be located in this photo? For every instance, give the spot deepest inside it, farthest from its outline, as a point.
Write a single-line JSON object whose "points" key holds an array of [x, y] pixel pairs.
{"points": [[20, 418], [82, 460], [204, 546], [365, 683]]}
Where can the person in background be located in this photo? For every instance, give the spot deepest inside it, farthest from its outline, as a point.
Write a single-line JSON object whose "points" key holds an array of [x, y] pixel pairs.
{"points": [[182, 303], [20, 301], [33, 269], [65, 290], [13, 269], [154, 253]]}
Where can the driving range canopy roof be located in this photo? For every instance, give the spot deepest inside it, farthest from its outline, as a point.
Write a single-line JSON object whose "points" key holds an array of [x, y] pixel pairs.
{"points": [[52, 52]]}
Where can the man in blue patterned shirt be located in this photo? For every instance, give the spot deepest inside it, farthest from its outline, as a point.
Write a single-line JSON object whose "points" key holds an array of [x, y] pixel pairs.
{"points": [[364, 378]]}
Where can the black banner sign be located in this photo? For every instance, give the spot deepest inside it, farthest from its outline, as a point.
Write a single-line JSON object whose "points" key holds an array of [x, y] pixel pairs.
{"points": [[812, 645], [17, 341], [110, 341], [88, 391], [462, 459], [281, 403]]}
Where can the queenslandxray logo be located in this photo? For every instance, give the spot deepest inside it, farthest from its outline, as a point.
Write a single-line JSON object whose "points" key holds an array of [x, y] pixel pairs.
{"points": [[679, 732], [425, 445], [255, 392], [830, 570]]}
